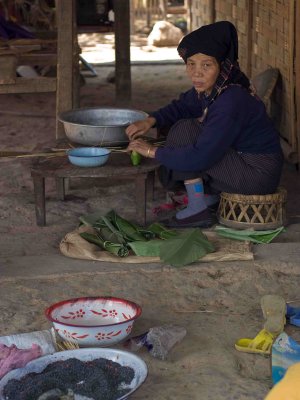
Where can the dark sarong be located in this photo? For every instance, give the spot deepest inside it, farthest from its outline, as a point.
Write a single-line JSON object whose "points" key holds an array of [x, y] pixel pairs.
{"points": [[236, 172]]}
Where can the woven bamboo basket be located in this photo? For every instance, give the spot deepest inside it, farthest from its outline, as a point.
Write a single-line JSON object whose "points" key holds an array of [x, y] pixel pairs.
{"points": [[258, 212]]}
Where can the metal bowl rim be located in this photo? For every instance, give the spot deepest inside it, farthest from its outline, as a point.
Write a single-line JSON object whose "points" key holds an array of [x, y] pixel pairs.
{"points": [[69, 153], [61, 116]]}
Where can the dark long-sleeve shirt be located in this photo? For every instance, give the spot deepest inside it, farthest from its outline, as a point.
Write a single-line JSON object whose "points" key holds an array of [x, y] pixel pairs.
{"points": [[235, 120]]}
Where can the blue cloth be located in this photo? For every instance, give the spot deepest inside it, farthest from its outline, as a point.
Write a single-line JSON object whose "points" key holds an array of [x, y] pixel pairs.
{"points": [[236, 120], [10, 30], [285, 352]]}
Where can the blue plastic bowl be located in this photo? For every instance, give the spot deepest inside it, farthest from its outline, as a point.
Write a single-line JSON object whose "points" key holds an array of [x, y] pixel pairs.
{"points": [[88, 156]]}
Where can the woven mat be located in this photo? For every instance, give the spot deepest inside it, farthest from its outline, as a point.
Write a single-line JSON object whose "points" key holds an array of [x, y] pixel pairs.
{"points": [[74, 246]]}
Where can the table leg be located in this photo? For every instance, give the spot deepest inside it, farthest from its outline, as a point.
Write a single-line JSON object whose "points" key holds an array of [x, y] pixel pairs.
{"points": [[141, 198], [150, 183], [60, 188], [39, 199]]}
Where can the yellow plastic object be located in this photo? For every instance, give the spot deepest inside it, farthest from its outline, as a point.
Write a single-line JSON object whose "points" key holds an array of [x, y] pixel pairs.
{"points": [[261, 344], [135, 157], [289, 386]]}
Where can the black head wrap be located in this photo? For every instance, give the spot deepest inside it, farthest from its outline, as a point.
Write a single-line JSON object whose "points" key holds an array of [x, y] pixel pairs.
{"points": [[217, 40]]}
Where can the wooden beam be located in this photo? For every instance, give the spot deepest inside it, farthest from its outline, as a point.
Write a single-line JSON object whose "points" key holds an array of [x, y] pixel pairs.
{"points": [[26, 85], [40, 59], [66, 15], [122, 51]]}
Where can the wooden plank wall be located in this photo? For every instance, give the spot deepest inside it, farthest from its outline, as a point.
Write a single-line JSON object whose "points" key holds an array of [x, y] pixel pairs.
{"points": [[297, 70], [267, 30], [203, 13], [273, 46]]}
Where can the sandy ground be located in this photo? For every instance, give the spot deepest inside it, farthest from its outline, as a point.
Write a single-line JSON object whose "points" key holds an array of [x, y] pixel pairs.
{"points": [[217, 302]]}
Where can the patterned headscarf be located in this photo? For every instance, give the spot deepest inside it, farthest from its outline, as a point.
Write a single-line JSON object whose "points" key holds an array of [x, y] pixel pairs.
{"points": [[218, 40]]}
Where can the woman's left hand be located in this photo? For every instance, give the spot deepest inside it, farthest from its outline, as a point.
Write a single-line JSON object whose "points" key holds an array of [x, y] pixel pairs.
{"points": [[142, 147]]}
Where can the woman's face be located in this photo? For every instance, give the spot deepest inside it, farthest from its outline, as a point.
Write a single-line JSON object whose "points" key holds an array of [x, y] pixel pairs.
{"points": [[203, 71]]}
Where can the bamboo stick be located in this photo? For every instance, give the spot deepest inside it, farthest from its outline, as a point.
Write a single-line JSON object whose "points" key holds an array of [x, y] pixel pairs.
{"points": [[59, 152], [8, 154]]}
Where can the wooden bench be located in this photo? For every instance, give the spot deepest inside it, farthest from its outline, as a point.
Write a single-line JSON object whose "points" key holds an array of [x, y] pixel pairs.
{"points": [[118, 167]]}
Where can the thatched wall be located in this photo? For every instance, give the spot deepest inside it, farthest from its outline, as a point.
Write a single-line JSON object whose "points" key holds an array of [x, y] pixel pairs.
{"points": [[266, 30]]}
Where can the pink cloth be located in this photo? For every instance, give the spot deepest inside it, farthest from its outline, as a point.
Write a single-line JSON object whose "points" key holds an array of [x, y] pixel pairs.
{"points": [[11, 357]]}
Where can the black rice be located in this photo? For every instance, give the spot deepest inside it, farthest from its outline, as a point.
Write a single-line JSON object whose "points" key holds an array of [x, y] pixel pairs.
{"points": [[99, 379]]}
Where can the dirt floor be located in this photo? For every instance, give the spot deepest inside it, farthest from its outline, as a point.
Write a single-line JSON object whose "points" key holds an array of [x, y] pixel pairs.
{"points": [[217, 302]]}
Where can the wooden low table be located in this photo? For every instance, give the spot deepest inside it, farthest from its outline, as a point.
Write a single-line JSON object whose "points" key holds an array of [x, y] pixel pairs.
{"points": [[117, 167]]}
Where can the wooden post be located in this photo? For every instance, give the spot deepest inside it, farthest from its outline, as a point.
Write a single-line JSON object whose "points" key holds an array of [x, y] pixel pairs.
{"points": [[297, 73], [249, 9], [148, 13], [8, 65], [212, 11], [163, 5], [189, 15], [66, 14], [122, 46], [292, 42], [132, 17], [75, 63]]}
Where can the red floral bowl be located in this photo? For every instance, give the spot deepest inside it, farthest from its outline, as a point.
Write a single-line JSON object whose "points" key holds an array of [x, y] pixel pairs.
{"points": [[93, 321]]}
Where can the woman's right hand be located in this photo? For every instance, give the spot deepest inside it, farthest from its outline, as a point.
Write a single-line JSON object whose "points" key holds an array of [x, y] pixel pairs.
{"points": [[138, 128]]}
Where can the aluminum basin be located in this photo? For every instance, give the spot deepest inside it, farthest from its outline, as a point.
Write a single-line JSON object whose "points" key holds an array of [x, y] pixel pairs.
{"points": [[99, 126]]}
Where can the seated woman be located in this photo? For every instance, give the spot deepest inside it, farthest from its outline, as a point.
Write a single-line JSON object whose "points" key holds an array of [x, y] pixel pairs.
{"points": [[221, 138]]}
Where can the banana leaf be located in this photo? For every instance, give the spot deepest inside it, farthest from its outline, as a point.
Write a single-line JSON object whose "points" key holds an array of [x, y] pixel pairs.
{"points": [[90, 219], [185, 248], [253, 236], [125, 230], [162, 232], [148, 234], [114, 248], [150, 248], [117, 235], [111, 236], [129, 230], [105, 224]]}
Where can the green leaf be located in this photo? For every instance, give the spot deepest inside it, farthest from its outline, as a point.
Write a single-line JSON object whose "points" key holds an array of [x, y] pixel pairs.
{"points": [[90, 219], [185, 248], [114, 248], [93, 238], [106, 224], [161, 231], [128, 229], [247, 234], [146, 249], [111, 236], [148, 235]]}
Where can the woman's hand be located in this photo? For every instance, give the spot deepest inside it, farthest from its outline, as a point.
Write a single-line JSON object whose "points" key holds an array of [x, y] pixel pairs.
{"points": [[138, 128], [142, 147]]}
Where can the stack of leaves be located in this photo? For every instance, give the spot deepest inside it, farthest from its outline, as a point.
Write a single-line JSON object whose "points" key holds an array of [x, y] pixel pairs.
{"points": [[121, 237]]}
